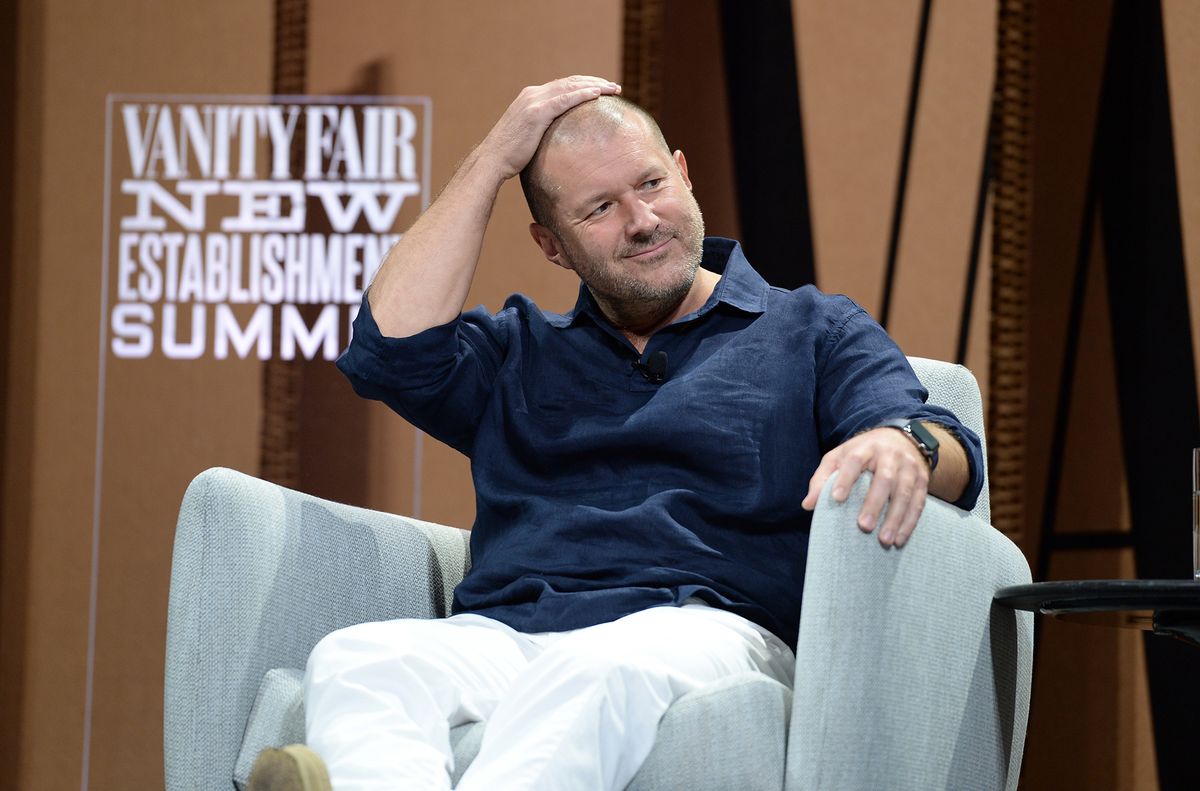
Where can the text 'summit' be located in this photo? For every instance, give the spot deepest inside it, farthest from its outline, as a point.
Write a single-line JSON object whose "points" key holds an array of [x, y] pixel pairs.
{"points": [[252, 229]]}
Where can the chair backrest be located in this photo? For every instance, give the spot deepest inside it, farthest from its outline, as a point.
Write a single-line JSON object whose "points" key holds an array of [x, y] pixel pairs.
{"points": [[955, 388]]}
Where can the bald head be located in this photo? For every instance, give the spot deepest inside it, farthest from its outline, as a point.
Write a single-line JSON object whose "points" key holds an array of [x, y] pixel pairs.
{"points": [[591, 121]]}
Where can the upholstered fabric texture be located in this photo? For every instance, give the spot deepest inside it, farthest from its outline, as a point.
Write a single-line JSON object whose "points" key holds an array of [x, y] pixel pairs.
{"points": [[259, 575], [277, 719], [908, 676]]}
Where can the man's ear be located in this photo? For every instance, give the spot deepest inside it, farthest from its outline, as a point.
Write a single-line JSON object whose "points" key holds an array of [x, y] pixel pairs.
{"points": [[548, 242], [681, 163]]}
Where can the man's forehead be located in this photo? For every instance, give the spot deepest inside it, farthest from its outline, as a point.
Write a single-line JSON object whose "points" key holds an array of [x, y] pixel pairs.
{"points": [[582, 147], [583, 169], [578, 149]]}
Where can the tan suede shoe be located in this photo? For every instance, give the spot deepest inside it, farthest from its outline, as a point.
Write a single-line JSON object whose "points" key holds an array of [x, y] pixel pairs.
{"points": [[291, 768]]}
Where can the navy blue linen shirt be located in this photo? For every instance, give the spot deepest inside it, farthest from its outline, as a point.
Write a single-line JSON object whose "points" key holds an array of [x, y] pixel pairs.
{"points": [[600, 493]]}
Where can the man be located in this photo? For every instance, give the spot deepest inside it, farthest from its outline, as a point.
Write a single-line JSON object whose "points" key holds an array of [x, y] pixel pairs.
{"points": [[643, 465]]}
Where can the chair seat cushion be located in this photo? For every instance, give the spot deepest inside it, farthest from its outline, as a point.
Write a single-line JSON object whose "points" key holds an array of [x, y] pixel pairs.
{"points": [[729, 734]]}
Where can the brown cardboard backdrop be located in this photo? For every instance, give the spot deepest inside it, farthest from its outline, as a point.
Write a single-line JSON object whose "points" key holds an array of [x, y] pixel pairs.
{"points": [[71, 55], [166, 420]]}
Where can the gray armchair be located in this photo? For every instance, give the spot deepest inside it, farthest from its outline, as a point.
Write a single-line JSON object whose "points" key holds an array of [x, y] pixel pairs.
{"points": [[907, 675]]}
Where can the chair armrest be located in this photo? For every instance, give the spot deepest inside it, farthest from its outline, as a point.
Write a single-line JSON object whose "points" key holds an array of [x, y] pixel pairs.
{"points": [[908, 676], [259, 574]]}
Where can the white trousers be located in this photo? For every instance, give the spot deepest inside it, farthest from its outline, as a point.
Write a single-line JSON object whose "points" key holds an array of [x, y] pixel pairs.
{"points": [[565, 710]]}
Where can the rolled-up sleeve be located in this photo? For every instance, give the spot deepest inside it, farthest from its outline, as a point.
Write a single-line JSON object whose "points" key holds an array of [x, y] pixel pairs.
{"points": [[440, 379], [864, 379]]}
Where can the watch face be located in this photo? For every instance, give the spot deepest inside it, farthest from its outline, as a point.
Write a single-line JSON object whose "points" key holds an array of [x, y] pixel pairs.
{"points": [[925, 435]]}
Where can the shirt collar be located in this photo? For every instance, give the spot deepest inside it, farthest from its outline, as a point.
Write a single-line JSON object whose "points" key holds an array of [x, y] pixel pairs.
{"points": [[739, 287]]}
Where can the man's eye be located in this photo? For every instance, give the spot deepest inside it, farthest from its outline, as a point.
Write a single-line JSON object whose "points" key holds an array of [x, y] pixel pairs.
{"points": [[601, 209], [652, 183]]}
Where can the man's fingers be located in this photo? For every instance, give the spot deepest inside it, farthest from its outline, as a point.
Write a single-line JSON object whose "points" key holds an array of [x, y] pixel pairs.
{"points": [[898, 505], [575, 80], [900, 483], [877, 496], [915, 506], [515, 137], [851, 465], [557, 105], [827, 467], [581, 80], [536, 93], [573, 90]]}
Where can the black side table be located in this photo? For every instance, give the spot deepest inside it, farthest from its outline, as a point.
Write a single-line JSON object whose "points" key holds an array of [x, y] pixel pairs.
{"points": [[1165, 607]]}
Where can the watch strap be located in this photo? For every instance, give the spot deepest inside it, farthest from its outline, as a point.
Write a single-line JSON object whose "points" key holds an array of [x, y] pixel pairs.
{"points": [[915, 430]]}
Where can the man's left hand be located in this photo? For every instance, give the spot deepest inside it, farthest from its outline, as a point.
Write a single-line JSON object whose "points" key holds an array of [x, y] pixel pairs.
{"points": [[901, 481]]}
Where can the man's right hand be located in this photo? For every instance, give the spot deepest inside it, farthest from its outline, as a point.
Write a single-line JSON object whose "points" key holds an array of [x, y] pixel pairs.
{"points": [[515, 137], [426, 277]]}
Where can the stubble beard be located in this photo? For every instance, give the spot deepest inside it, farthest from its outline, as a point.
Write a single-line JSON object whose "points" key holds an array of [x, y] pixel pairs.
{"points": [[629, 299]]}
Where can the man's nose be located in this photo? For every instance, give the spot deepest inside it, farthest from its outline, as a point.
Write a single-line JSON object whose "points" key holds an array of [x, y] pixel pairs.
{"points": [[642, 218]]}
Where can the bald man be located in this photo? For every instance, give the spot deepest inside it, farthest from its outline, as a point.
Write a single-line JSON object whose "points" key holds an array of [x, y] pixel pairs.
{"points": [[644, 465]]}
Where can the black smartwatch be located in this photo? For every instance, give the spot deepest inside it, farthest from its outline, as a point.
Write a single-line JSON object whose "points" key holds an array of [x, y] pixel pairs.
{"points": [[922, 437]]}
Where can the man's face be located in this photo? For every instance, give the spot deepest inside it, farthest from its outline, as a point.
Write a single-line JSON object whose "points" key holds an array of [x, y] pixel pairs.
{"points": [[625, 218]]}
